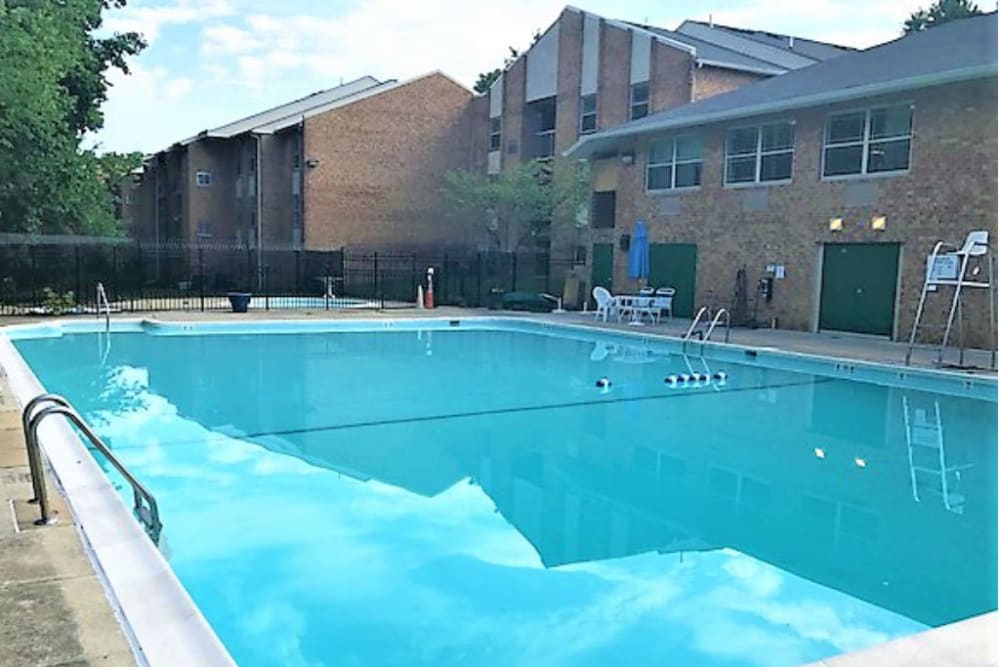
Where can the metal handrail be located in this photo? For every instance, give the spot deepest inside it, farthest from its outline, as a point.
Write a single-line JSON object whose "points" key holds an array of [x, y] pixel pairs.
{"points": [[711, 327], [102, 296], [694, 323], [145, 506]]}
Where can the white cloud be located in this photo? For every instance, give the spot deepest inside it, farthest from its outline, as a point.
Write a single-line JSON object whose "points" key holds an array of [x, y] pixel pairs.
{"points": [[150, 20], [385, 38], [856, 24]]}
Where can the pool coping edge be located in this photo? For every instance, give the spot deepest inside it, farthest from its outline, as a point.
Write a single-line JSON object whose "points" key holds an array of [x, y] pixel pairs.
{"points": [[162, 624]]}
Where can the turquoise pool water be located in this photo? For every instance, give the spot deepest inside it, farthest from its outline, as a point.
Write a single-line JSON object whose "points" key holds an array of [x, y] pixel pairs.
{"points": [[470, 497]]}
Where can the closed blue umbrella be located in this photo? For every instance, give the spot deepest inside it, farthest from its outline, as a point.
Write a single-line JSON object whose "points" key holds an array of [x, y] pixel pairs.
{"points": [[638, 257]]}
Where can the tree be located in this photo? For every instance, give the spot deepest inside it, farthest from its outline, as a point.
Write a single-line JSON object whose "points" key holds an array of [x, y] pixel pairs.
{"points": [[938, 13], [52, 85], [519, 205], [486, 79]]}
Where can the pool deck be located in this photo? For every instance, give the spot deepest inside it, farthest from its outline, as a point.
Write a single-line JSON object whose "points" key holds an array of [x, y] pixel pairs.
{"points": [[54, 609]]}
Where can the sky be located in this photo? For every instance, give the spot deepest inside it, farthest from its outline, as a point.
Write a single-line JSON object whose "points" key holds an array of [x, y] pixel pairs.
{"points": [[213, 61]]}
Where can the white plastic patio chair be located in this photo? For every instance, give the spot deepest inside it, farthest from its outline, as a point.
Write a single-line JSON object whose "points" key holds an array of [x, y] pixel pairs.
{"points": [[663, 302], [606, 303]]}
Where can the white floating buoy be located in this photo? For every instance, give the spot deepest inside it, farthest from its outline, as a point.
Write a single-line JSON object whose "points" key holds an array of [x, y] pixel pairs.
{"points": [[671, 380], [684, 377], [603, 383], [721, 375]]}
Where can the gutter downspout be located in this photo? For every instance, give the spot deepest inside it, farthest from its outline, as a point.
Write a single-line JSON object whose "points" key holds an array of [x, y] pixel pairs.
{"points": [[259, 203]]}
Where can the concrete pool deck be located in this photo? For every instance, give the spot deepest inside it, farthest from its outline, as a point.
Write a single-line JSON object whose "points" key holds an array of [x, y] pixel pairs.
{"points": [[54, 609]]}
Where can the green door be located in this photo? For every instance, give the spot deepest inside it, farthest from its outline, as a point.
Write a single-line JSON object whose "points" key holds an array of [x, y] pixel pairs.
{"points": [[673, 265], [602, 265], [858, 289]]}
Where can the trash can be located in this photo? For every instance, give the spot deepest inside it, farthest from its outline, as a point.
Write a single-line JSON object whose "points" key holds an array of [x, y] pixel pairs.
{"points": [[240, 301], [495, 301]]}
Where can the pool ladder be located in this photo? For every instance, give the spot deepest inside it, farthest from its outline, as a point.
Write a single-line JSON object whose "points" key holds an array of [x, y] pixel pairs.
{"points": [[145, 507], [102, 301], [704, 336]]}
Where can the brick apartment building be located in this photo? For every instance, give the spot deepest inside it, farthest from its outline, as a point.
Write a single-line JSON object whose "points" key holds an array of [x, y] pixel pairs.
{"points": [[359, 164], [834, 182], [587, 73]]}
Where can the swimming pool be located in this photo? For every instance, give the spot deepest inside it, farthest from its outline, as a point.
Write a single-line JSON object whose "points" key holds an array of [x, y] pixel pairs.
{"points": [[444, 493], [309, 303]]}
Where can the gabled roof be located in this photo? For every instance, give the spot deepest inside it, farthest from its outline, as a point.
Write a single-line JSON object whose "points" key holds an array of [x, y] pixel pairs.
{"points": [[957, 51], [288, 109]]}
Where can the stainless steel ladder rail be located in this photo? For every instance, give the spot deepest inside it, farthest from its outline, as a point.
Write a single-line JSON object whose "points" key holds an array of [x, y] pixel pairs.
{"points": [[955, 309], [102, 298], [145, 506], [711, 327], [702, 312]]}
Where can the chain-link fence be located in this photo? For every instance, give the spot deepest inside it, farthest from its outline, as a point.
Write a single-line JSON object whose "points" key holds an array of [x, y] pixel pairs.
{"points": [[60, 275]]}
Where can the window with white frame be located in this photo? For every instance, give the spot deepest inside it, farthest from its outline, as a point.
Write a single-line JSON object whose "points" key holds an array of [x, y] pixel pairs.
{"points": [[639, 100], [203, 178], [588, 114], [674, 163], [204, 229], [870, 141], [760, 154], [495, 125]]}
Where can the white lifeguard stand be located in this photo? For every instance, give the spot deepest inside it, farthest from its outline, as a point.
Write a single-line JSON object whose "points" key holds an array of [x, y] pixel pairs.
{"points": [[949, 266]]}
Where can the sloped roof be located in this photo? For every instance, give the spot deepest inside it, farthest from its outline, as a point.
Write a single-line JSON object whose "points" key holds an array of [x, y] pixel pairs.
{"points": [[384, 87], [783, 50], [961, 50], [289, 109], [733, 48]]}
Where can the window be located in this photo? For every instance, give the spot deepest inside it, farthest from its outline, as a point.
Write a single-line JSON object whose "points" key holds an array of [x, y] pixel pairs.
{"points": [[580, 255], [674, 163], [760, 154], [588, 114], [639, 103], [603, 207], [868, 142], [495, 124], [204, 230], [203, 178], [541, 119]]}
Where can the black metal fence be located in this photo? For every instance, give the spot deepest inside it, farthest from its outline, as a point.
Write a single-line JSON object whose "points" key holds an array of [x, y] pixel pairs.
{"points": [[60, 275]]}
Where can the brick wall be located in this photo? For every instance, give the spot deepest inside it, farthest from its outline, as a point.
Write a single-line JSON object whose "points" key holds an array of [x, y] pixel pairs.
{"points": [[512, 137], [211, 204], [951, 189], [568, 79], [381, 164], [613, 81], [670, 77], [709, 81]]}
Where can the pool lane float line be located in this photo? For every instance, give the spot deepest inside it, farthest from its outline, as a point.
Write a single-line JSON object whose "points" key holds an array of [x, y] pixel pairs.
{"points": [[695, 379]]}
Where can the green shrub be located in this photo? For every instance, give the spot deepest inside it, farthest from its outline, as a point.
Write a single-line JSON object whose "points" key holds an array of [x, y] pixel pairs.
{"points": [[56, 303]]}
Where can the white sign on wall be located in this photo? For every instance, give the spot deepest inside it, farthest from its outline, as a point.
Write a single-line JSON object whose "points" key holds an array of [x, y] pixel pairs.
{"points": [[944, 267]]}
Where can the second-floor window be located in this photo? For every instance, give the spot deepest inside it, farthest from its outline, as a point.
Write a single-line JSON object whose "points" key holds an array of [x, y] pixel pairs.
{"points": [[203, 178], [869, 141], [760, 154], [495, 134], [639, 100], [588, 114], [674, 163]]}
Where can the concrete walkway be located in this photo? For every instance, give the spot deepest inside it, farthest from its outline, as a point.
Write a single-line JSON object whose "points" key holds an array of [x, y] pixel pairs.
{"points": [[53, 608]]}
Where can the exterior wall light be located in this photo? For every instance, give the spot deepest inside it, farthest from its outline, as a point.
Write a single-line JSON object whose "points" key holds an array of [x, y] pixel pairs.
{"points": [[312, 164], [836, 224], [878, 223], [628, 158]]}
